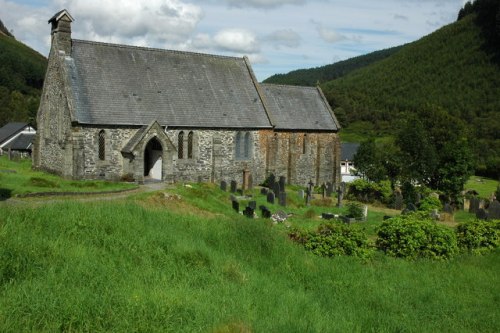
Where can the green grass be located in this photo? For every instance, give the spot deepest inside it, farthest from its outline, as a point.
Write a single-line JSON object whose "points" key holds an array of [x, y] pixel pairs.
{"points": [[25, 180], [484, 186], [126, 267]]}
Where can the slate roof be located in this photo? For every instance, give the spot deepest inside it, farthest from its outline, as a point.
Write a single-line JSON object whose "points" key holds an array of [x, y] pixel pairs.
{"points": [[22, 142], [126, 85], [10, 130], [299, 108], [348, 150]]}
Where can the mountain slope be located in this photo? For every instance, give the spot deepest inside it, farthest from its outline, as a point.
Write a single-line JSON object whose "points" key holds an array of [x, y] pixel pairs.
{"points": [[22, 72], [310, 77]]}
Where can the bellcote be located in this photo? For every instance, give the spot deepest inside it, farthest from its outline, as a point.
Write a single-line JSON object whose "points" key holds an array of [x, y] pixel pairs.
{"points": [[61, 31]]}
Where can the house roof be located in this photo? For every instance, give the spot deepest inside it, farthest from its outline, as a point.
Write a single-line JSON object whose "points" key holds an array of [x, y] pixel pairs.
{"points": [[22, 142], [10, 130], [299, 108], [126, 85], [348, 150]]}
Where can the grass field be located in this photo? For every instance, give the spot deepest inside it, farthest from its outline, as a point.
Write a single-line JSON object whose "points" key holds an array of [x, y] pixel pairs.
{"points": [[484, 186], [183, 261], [17, 178]]}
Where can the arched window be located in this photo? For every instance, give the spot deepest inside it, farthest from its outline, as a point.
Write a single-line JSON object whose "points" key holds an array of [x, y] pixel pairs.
{"points": [[248, 145], [180, 145], [190, 144], [237, 145], [304, 144], [102, 145]]}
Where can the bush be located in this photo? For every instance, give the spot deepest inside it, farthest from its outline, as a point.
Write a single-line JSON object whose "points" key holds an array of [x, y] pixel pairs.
{"points": [[334, 239], [355, 210], [430, 203], [478, 236], [365, 191], [416, 236]]}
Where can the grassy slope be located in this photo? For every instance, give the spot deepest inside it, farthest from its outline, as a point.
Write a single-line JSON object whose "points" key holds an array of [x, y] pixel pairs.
{"points": [[166, 263], [24, 180]]}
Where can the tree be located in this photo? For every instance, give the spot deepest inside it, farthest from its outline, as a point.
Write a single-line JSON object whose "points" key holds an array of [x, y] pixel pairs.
{"points": [[368, 162]]}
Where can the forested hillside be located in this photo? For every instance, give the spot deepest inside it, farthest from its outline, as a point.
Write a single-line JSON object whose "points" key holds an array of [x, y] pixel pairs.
{"points": [[22, 71], [455, 70], [313, 76]]}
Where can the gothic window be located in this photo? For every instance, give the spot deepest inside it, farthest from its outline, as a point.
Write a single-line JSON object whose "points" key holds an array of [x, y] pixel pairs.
{"points": [[304, 144], [102, 145], [190, 145], [180, 145], [248, 145]]}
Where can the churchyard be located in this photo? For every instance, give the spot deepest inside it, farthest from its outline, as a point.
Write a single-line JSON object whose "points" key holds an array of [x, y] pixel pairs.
{"points": [[182, 259]]}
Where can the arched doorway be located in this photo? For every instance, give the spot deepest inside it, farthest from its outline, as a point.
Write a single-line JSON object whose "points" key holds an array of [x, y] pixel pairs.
{"points": [[153, 160]]}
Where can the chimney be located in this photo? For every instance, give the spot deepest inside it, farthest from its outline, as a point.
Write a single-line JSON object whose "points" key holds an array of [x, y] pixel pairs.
{"points": [[61, 31]]}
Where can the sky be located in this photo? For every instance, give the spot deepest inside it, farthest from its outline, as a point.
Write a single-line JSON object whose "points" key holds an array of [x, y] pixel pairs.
{"points": [[278, 36]]}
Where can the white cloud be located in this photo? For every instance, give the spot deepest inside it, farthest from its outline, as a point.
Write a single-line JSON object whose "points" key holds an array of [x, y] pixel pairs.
{"points": [[237, 40], [263, 3], [328, 35], [153, 22], [286, 37]]}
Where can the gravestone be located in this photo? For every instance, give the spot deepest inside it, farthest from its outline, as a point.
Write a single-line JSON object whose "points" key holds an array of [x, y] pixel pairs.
{"points": [[365, 213], [301, 194], [282, 199], [232, 197], [234, 185], [448, 208], [282, 183], [277, 189], [252, 204], [223, 185], [271, 179], [264, 190], [340, 196], [435, 215], [266, 213], [411, 207], [327, 216], [309, 193], [481, 214], [249, 212], [250, 182], [494, 210], [398, 199], [329, 189], [466, 204], [236, 206], [270, 197], [474, 205], [239, 192], [323, 190]]}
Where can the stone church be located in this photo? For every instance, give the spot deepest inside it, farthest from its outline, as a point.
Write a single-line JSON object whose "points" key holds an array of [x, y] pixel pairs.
{"points": [[123, 112]]}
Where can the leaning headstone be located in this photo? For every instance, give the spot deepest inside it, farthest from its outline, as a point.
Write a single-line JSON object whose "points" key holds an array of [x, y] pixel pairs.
{"points": [[494, 210], [481, 214], [301, 194], [266, 213], [282, 199], [233, 186], [236, 206], [282, 183], [264, 190], [270, 197], [223, 185], [329, 189], [252, 204], [474, 205], [249, 212]]}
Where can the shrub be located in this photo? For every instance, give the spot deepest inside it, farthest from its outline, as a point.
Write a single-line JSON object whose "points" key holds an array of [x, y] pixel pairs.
{"points": [[355, 210], [416, 236], [365, 191], [478, 236], [334, 239], [429, 203]]}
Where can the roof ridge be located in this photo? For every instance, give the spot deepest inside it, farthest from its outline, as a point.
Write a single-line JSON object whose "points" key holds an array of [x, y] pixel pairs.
{"points": [[287, 85], [145, 48]]}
